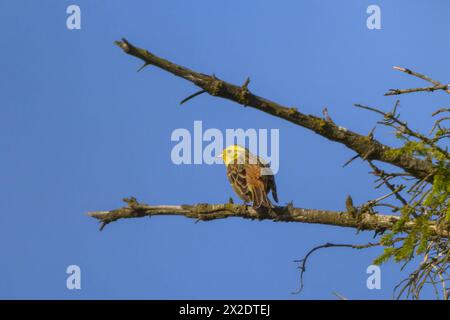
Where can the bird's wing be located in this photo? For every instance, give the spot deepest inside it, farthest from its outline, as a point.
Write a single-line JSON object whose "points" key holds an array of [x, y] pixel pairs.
{"points": [[236, 174], [269, 178], [271, 185], [257, 186]]}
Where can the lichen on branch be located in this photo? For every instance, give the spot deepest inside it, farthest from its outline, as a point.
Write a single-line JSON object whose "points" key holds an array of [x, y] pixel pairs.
{"points": [[365, 146]]}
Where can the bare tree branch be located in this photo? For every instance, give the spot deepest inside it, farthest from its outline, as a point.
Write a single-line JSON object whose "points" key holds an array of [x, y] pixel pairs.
{"points": [[437, 85], [391, 119], [206, 212], [365, 146], [302, 262], [421, 76], [394, 92]]}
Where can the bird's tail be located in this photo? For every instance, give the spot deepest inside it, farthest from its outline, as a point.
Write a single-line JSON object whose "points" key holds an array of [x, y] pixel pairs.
{"points": [[260, 199]]}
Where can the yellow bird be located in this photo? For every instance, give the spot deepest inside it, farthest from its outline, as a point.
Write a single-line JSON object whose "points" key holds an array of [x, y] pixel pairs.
{"points": [[244, 171]]}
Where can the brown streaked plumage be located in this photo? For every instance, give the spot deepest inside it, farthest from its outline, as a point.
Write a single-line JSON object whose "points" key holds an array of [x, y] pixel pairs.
{"points": [[244, 171]]}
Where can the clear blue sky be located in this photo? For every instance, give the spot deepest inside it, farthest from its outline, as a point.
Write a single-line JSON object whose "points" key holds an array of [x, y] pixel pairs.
{"points": [[80, 130]]}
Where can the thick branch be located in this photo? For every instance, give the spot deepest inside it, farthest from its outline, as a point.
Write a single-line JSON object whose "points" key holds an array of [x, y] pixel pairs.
{"points": [[206, 212], [365, 146]]}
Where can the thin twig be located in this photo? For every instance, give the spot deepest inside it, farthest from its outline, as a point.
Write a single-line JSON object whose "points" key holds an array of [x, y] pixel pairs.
{"points": [[302, 262], [436, 84]]}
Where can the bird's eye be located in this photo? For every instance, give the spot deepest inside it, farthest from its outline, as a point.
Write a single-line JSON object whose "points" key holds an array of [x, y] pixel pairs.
{"points": [[228, 151]]}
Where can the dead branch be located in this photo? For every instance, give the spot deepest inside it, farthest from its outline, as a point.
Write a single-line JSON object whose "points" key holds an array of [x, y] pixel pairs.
{"points": [[302, 262], [437, 85], [207, 212], [368, 149]]}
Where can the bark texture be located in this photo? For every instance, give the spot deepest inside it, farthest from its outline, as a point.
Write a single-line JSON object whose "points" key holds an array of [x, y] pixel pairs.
{"points": [[207, 212], [364, 145]]}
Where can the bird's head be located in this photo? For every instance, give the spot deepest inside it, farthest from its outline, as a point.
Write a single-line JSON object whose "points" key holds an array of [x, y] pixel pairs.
{"points": [[232, 153]]}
